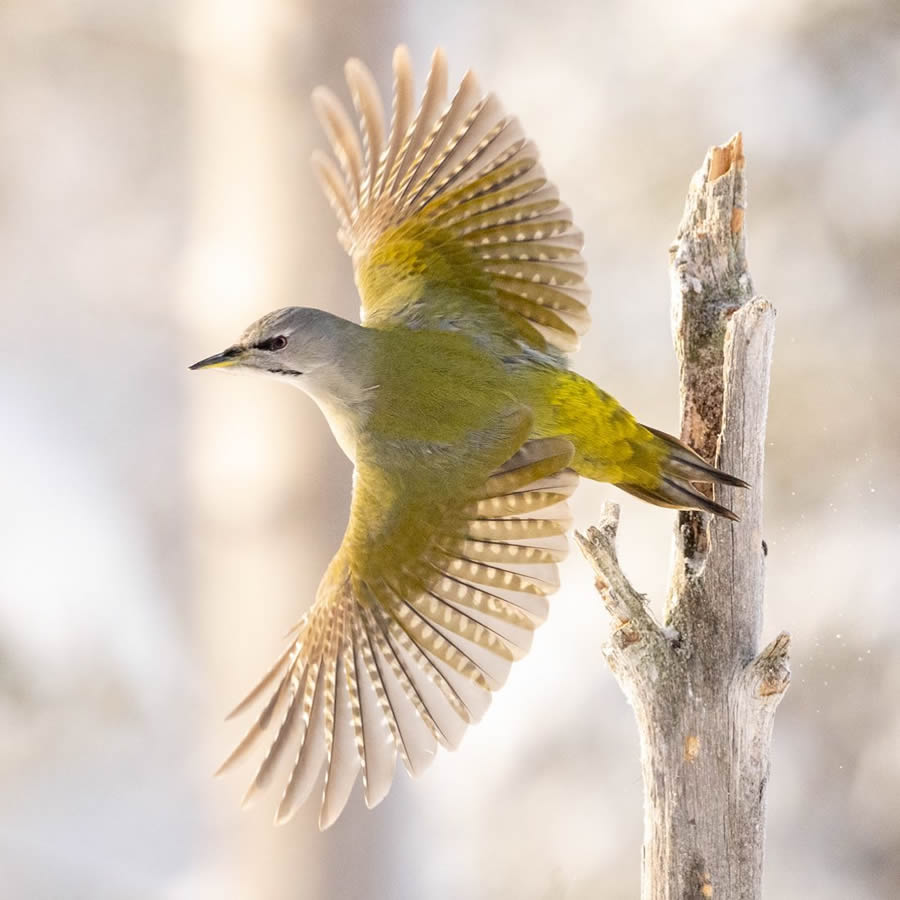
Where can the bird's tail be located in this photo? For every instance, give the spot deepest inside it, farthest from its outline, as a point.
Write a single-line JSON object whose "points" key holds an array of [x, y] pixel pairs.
{"points": [[612, 446], [679, 468]]}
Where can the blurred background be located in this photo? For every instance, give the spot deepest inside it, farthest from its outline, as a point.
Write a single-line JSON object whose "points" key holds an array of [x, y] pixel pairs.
{"points": [[162, 529]]}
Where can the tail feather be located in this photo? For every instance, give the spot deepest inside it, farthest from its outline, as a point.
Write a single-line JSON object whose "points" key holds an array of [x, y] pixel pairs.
{"points": [[678, 496], [689, 464], [679, 468]]}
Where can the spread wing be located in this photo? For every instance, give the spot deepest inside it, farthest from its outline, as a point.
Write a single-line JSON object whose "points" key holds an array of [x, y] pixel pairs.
{"points": [[418, 618], [449, 215]]}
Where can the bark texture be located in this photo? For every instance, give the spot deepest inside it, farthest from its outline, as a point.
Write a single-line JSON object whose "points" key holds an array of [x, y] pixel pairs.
{"points": [[704, 696]]}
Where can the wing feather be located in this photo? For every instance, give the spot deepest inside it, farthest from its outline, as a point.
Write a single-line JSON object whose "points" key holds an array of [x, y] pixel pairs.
{"points": [[416, 141], [401, 114], [415, 729], [377, 681], [289, 732], [444, 705], [335, 190], [448, 131], [367, 101], [375, 744], [340, 732], [310, 755], [344, 141], [423, 665]]}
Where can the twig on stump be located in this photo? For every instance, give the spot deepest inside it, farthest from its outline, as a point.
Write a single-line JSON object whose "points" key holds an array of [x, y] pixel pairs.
{"points": [[703, 695]]}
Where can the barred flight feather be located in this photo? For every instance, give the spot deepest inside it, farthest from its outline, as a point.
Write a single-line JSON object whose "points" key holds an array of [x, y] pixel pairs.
{"points": [[460, 175], [397, 666]]}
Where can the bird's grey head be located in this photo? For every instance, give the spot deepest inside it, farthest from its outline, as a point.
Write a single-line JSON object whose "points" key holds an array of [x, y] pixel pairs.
{"points": [[294, 343], [329, 358]]}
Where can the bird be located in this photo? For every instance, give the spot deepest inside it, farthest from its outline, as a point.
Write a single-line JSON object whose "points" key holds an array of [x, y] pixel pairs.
{"points": [[468, 431]]}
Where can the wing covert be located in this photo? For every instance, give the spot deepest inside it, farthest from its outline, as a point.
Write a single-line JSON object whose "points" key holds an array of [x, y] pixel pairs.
{"points": [[449, 214]]}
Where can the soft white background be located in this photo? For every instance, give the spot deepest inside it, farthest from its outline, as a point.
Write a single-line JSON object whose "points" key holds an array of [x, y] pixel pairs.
{"points": [[162, 529]]}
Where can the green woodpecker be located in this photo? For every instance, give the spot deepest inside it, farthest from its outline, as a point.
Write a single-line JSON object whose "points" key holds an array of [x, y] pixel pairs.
{"points": [[466, 428]]}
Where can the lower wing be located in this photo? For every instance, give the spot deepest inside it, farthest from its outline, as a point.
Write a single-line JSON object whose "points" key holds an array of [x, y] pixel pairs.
{"points": [[394, 661]]}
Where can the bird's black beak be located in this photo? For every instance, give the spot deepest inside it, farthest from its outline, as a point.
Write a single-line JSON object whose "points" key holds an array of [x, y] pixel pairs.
{"points": [[228, 357]]}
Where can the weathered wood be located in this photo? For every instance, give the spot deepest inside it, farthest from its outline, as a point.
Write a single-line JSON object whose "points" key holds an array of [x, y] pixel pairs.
{"points": [[704, 698]]}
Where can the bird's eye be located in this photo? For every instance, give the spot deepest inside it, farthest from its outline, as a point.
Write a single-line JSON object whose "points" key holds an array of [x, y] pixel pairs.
{"points": [[275, 343]]}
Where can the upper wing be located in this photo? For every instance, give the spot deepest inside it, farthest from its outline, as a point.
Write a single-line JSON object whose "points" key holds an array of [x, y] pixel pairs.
{"points": [[449, 214], [417, 619]]}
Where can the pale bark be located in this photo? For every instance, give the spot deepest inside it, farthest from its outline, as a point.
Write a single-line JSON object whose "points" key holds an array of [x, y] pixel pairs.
{"points": [[704, 696]]}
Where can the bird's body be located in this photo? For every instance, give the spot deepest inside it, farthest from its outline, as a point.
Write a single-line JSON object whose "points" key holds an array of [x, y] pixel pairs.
{"points": [[403, 377], [466, 427]]}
